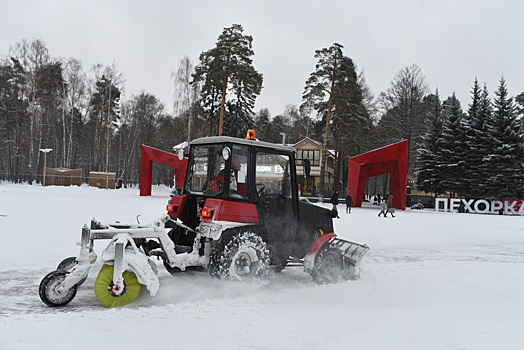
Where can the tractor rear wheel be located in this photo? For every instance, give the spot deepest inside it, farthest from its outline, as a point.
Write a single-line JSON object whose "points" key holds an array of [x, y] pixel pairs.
{"points": [[240, 257], [105, 289], [49, 292], [328, 267]]}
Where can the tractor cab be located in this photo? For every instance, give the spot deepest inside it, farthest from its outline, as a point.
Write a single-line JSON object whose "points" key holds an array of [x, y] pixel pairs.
{"points": [[237, 185], [233, 182], [240, 170]]}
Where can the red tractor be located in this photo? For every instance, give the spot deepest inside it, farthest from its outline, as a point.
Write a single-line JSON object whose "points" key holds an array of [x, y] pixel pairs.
{"points": [[238, 216]]}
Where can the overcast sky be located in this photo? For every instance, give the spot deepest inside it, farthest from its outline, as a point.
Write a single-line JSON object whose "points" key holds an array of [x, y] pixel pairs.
{"points": [[452, 41]]}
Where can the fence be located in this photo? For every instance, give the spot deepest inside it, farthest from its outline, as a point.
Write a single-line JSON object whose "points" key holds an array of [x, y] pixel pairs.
{"points": [[427, 200], [37, 179]]}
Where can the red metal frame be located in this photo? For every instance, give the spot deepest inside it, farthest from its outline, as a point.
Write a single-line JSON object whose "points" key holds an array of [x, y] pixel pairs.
{"points": [[174, 208], [319, 242], [150, 155], [224, 210], [391, 159]]}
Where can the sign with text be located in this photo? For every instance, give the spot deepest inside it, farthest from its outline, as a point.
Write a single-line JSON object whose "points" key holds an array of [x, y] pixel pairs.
{"points": [[480, 206]]}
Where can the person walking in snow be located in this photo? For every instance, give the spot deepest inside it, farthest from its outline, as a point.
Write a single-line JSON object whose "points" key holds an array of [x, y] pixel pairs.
{"points": [[349, 202], [334, 201], [383, 208], [389, 205]]}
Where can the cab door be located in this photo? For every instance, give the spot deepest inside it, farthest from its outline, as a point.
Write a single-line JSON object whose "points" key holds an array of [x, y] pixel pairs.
{"points": [[277, 202]]}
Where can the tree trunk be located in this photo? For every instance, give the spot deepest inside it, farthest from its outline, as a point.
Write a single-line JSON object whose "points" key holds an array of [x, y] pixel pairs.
{"points": [[223, 102], [222, 107], [326, 136]]}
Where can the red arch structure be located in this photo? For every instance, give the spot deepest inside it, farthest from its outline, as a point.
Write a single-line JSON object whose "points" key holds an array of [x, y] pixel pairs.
{"points": [[150, 155], [391, 159]]}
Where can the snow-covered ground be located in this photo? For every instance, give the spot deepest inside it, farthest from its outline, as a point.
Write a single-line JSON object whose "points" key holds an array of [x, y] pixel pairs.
{"points": [[430, 281]]}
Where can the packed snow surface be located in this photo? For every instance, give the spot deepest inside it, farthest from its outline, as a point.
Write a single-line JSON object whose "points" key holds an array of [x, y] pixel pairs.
{"points": [[430, 281]]}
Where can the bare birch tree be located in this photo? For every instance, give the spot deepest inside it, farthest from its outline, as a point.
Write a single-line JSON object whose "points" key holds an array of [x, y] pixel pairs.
{"points": [[186, 94]]}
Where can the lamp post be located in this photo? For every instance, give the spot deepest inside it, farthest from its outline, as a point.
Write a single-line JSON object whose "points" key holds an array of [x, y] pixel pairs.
{"points": [[45, 151], [283, 134]]}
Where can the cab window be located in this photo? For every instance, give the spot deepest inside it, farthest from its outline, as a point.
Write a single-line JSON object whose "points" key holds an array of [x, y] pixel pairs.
{"points": [[238, 174], [205, 170], [272, 174]]}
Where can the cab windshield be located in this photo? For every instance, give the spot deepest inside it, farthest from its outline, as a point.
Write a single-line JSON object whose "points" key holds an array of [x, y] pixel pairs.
{"points": [[205, 170]]}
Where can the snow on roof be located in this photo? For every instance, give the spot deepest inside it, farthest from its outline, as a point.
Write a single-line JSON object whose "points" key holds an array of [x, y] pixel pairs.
{"points": [[224, 139], [180, 145], [316, 143], [63, 170]]}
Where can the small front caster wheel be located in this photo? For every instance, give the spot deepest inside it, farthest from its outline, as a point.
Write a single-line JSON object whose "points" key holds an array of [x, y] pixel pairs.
{"points": [[67, 265], [50, 292]]}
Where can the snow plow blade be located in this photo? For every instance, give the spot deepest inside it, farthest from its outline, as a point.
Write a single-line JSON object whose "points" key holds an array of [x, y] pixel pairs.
{"points": [[338, 260], [352, 252]]}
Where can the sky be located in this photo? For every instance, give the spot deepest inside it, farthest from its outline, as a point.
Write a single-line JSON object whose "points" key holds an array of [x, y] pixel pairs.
{"points": [[452, 41], [430, 281]]}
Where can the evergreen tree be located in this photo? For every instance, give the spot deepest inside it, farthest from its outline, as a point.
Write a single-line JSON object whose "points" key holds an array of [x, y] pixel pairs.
{"points": [[104, 114], [519, 100], [366, 139], [450, 154], [263, 124], [230, 83], [333, 91], [428, 174], [278, 125], [476, 141], [506, 178], [350, 118]]}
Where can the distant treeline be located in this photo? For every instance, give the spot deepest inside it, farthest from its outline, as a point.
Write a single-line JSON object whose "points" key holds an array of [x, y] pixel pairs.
{"points": [[54, 103]]}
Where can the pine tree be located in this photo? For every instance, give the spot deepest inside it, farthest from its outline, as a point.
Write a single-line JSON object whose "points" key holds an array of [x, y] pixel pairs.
{"points": [[451, 152], [263, 124], [350, 117], [519, 100], [428, 175], [105, 112], [333, 91], [476, 141], [506, 178], [230, 83]]}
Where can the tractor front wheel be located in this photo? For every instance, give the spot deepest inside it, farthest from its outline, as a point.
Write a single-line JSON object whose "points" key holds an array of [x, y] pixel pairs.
{"points": [[106, 291], [239, 256], [51, 294]]}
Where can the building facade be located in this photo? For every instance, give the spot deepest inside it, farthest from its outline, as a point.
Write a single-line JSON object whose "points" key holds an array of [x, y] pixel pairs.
{"points": [[312, 150]]}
